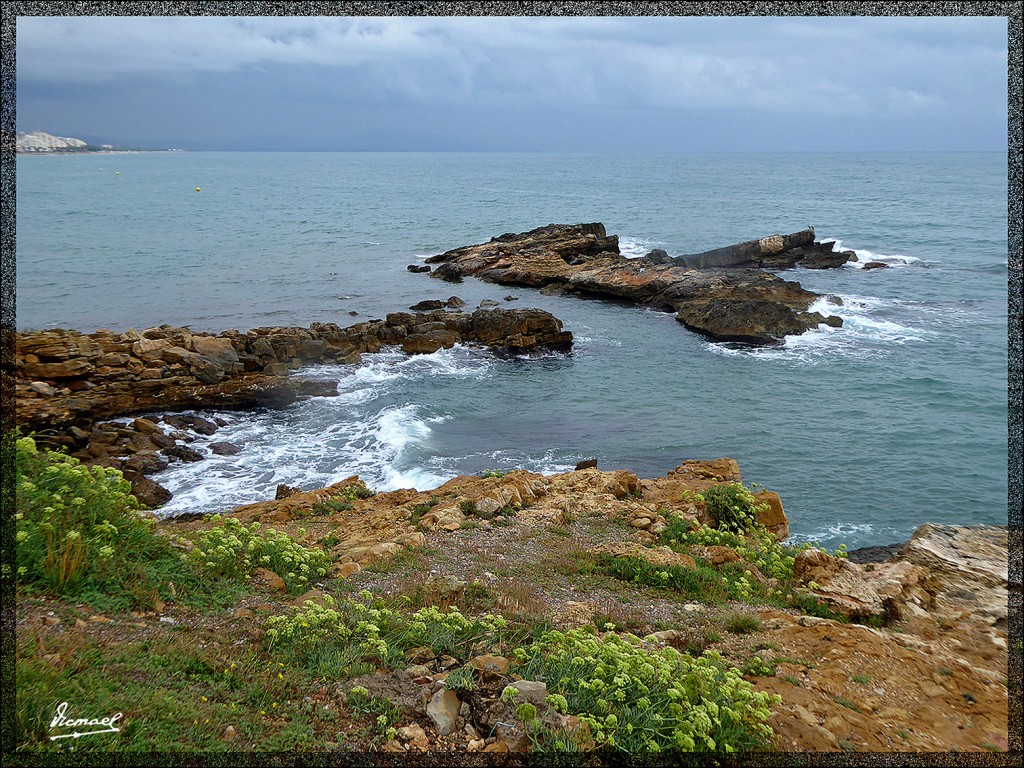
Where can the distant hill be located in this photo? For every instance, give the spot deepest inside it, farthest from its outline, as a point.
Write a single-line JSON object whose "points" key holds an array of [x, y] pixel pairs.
{"points": [[41, 142]]}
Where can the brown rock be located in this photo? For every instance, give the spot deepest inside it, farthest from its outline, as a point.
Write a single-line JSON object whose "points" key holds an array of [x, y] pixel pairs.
{"points": [[443, 709], [718, 555], [428, 343], [149, 493], [774, 518], [840, 584], [267, 579], [219, 351], [415, 736], [727, 305], [284, 491], [495, 665], [146, 426], [68, 369], [344, 570]]}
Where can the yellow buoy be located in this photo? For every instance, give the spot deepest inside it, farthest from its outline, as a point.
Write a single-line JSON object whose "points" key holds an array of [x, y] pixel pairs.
{"points": [[197, 189]]}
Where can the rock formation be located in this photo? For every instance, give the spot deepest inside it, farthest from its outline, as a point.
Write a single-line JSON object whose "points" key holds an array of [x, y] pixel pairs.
{"points": [[68, 383], [731, 302], [67, 378]]}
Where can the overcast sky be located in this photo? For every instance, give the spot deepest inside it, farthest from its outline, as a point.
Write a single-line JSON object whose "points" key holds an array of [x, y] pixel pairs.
{"points": [[523, 84]]}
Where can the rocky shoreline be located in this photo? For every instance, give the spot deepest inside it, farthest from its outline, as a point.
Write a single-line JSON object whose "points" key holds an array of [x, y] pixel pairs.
{"points": [[722, 294], [913, 656], [69, 384]]}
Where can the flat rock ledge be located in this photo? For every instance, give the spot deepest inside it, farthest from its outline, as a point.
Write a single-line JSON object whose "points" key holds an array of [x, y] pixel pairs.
{"points": [[69, 379], [721, 294]]}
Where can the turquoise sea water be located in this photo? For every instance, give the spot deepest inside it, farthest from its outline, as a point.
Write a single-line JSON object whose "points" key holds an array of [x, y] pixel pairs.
{"points": [[897, 419]]}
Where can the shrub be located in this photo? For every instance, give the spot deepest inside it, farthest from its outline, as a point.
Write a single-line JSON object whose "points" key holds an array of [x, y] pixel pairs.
{"points": [[339, 635], [231, 549], [732, 506], [342, 502], [636, 699], [493, 473], [79, 530]]}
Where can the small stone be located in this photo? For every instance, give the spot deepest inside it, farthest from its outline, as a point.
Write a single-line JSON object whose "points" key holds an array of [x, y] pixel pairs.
{"points": [[344, 570], [267, 579], [487, 508], [497, 665], [52, 620], [42, 388], [414, 735], [443, 709], [229, 733], [530, 691]]}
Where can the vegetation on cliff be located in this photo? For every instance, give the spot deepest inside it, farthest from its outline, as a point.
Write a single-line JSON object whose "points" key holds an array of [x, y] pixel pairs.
{"points": [[197, 634]]}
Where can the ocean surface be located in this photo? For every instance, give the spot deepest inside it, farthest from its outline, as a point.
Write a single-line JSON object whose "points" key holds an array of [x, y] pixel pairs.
{"points": [[897, 419]]}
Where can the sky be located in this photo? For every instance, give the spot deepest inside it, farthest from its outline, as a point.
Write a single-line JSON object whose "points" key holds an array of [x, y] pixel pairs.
{"points": [[541, 84]]}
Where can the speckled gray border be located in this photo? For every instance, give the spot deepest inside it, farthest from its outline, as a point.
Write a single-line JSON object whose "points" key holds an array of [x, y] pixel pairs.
{"points": [[11, 10]]}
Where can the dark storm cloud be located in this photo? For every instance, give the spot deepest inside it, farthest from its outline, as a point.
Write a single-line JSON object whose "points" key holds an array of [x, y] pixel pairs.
{"points": [[519, 83]]}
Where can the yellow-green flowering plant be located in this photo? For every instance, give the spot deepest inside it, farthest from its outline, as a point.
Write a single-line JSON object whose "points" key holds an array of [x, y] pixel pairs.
{"points": [[230, 548], [79, 530], [637, 699]]}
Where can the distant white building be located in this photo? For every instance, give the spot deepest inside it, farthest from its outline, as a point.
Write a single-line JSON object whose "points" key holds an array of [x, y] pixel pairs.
{"points": [[38, 141]]}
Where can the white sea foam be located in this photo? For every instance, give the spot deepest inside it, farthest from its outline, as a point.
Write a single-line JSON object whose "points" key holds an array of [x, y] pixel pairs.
{"points": [[865, 256], [834, 533], [635, 247], [869, 330], [323, 440]]}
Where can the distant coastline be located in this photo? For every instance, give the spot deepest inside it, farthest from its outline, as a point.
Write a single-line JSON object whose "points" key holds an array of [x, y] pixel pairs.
{"points": [[42, 143]]}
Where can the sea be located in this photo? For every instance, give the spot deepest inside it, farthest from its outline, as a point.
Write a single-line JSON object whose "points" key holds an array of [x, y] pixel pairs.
{"points": [[898, 418]]}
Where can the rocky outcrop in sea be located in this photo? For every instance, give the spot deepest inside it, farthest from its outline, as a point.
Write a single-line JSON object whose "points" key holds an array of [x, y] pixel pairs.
{"points": [[722, 294]]}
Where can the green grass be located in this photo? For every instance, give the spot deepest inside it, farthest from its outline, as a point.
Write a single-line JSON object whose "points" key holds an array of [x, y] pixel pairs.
{"points": [[174, 693], [740, 622], [846, 703]]}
